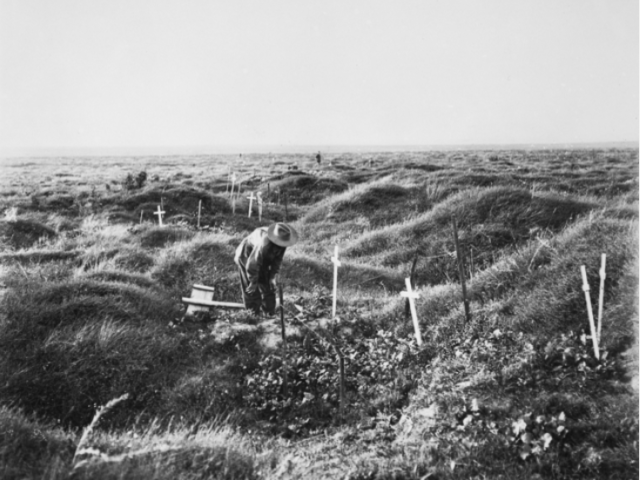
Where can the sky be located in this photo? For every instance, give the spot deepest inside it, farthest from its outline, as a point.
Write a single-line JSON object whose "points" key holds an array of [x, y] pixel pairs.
{"points": [[185, 73]]}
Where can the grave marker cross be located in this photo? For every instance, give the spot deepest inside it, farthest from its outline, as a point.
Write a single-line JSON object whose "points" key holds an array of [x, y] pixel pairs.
{"points": [[160, 212], [411, 295], [251, 199]]}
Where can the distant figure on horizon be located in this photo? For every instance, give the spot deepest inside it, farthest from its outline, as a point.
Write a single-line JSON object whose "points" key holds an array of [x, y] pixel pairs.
{"points": [[259, 257], [318, 158]]}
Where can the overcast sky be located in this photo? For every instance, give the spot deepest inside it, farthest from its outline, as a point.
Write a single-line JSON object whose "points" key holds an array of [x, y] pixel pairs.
{"points": [[148, 73]]}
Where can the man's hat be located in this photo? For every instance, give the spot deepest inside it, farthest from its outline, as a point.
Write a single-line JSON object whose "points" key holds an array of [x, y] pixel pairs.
{"points": [[282, 234]]}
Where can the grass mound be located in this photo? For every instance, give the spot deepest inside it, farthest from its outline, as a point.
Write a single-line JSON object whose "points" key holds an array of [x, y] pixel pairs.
{"points": [[23, 233], [380, 203], [157, 237], [38, 256], [31, 449], [70, 345], [302, 188], [133, 259], [539, 289], [177, 199], [120, 277], [488, 220]]}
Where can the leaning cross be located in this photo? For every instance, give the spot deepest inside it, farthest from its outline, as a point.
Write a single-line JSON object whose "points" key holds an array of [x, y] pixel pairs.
{"points": [[160, 212], [251, 199], [336, 264], [411, 295], [594, 333]]}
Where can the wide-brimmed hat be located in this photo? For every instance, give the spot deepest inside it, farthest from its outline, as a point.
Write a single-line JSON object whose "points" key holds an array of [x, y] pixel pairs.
{"points": [[282, 234]]}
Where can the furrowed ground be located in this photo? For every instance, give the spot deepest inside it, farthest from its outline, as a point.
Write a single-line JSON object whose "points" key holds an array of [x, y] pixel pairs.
{"points": [[90, 311]]}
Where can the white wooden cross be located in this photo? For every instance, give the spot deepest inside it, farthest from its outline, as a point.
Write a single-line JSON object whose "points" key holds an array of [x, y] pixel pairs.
{"points": [[594, 333], [251, 199], [259, 206], [160, 212], [336, 264], [411, 295]]}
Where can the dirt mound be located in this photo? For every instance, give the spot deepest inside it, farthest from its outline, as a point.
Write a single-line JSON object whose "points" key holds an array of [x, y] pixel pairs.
{"points": [[24, 233]]}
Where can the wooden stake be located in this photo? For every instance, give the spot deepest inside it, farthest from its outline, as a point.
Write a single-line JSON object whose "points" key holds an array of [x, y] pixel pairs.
{"points": [[260, 202], [412, 276], [160, 212], [342, 400], [199, 211], [411, 296], [285, 381], [603, 276], [336, 264], [587, 297], [141, 213], [463, 282]]}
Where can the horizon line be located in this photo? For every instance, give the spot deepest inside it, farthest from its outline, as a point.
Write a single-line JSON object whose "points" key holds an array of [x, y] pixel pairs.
{"points": [[301, 148]]}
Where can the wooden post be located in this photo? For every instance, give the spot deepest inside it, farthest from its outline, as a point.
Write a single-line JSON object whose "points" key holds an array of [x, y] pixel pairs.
{"points": [[160, 212], [199, 211], [285, 381], [251, 198], [411, 296], [260, 207], [233, 204], [603, 276], [336, 264], [286, 208], [587, 297], [268, 192], [463, 282], [412, 276], [341, 360], [141, 214]]}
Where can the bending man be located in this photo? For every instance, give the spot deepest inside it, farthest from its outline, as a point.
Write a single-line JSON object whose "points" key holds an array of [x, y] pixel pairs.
{"points": [[259, 257]]}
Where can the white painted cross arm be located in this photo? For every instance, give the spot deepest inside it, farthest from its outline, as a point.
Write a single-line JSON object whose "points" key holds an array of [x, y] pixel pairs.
{"points": [[160, 212]]}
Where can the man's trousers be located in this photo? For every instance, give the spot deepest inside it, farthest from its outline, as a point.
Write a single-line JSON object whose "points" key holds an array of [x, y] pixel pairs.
{"points": [[263, 296]]}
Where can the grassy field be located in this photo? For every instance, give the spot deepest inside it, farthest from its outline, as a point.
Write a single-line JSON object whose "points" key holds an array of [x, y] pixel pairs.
{"points": [[90, 311]]}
